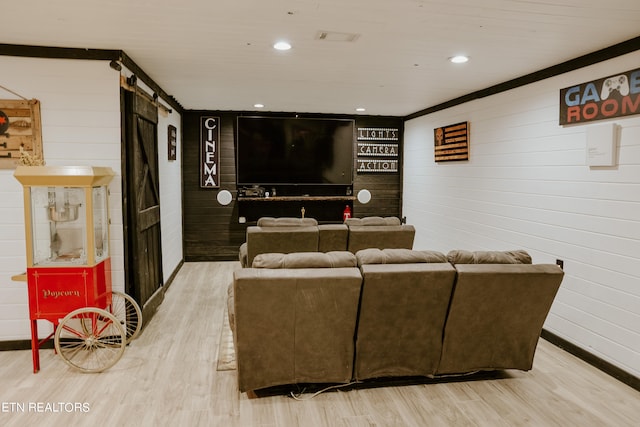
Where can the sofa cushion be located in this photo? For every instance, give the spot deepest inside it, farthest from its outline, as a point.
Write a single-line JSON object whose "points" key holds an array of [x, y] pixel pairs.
{"points": [[398, 256], [489, 257], [305, 260], [373, 221], [286, 222]]}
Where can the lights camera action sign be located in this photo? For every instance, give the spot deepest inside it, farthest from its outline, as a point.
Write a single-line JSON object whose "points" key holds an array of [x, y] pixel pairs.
{"points": [[614, 96], [378, 134], [209, 155], [389, 150]]}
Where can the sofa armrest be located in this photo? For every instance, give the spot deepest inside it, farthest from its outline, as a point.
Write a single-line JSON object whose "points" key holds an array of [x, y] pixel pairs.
{"points": [[243, 255], [332, 237]]}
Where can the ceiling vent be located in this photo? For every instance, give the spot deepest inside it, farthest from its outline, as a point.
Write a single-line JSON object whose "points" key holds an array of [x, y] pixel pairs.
{"points": [[333, 36]]}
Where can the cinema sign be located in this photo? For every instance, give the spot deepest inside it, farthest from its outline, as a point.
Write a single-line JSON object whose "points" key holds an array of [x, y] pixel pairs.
{"points": [[606, 98], [209, 151]]}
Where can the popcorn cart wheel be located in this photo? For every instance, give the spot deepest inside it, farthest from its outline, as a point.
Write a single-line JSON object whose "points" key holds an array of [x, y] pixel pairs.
{"points": [[127, 311], [90, 339]]}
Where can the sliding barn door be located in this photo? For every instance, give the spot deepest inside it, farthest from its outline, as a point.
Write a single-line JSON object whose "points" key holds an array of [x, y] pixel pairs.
{"points": [[143, 257]]}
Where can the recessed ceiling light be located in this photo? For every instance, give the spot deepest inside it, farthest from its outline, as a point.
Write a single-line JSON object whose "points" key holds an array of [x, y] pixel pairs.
{"points": [[258, 105], [282, 45], [459, 59], [361, 110]]}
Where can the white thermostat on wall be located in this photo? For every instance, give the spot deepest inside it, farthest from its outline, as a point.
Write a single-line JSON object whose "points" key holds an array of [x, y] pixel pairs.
{"points": [[601, 145]]}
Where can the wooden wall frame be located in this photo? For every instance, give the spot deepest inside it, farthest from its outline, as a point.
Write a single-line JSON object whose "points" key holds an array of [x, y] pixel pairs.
{"points": [[451, 143], [20, 130], [172, 136]]}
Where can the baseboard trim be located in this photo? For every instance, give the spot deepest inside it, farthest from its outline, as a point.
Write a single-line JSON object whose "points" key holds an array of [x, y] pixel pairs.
{"points": [[593, 360], [171, 278], [21, 345]]}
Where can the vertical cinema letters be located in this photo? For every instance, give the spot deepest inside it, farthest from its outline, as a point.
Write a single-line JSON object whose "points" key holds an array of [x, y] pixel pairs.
{"points": [[209, 155]]}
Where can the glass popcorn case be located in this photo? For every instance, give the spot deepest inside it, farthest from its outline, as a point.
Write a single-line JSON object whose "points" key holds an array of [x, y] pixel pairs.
{"points": [[66, 214]]}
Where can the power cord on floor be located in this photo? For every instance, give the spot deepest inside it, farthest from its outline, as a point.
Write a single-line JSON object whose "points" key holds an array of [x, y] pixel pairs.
{"points": [[338, 386], [462, 374], [298, 396]]}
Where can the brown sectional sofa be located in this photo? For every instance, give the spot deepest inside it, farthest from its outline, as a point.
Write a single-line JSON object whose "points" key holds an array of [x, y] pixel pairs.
{"points": [[288, 235], [322, 318]]}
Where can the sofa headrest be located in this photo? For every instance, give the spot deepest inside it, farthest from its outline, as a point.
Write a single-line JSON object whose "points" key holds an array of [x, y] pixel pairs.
{"points": [[268, 221], [305, 260], [489, 257], [373, 220], [398, 256]]}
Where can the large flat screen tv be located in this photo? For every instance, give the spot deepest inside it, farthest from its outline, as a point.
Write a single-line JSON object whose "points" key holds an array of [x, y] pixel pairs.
{"points": [[295, 151]]}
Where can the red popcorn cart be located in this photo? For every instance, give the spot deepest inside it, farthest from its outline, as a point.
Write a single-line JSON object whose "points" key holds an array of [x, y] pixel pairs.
{"points": [[69, 268]]}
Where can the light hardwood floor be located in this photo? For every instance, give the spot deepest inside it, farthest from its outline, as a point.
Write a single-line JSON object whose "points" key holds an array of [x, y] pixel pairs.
{"points": [[168, 377]]}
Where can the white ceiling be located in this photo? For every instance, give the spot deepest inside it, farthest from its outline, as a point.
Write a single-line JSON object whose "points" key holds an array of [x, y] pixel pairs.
{"points": [[218, 55]]}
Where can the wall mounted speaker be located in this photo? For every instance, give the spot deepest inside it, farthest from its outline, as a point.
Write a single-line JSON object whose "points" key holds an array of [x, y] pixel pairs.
{"points": [[224, 197], [364, 196]]}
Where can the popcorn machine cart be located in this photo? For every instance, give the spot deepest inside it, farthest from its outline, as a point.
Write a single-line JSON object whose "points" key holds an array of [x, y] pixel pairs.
{"points": [[69, 268]]}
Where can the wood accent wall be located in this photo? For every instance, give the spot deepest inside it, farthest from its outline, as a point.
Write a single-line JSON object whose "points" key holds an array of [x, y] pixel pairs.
{"points": [[385, 187], [212, 232]]}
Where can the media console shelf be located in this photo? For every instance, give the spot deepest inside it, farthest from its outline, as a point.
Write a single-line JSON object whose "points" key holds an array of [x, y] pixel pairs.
{"points": [[297, 198], [322, 208]]}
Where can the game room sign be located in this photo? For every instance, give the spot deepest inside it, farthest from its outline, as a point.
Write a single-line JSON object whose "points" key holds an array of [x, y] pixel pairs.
{"points": [[614, 96], [209, 156]]}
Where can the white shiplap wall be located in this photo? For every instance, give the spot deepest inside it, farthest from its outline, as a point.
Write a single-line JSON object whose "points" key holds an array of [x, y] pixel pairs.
{"points": [[170, 194], [527, 186], [80, 108]]}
